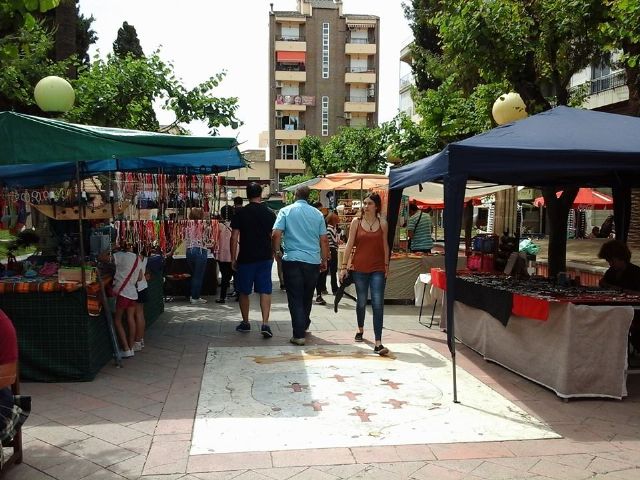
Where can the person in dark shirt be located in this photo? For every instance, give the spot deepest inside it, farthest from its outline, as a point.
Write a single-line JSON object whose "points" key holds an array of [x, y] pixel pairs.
{"points": [[624, 275], [252, 256], [621, 273]]}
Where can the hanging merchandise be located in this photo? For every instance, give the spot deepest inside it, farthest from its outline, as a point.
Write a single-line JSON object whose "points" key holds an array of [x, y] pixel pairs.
{"points": [[163, 235]]}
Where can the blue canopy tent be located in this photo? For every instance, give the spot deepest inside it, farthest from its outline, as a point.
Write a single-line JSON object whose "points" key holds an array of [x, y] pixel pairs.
{"points": [[36, 151], [559, 148]]}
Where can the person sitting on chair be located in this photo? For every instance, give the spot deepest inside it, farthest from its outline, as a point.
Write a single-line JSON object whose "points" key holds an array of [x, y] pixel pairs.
{"points": [[624, 275], [12, 416]]}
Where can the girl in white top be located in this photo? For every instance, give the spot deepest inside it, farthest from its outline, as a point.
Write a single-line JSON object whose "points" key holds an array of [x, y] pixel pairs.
{"points": [[124, 284]]}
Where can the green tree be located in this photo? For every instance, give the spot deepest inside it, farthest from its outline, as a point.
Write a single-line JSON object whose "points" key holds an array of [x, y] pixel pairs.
{"points": [[24, 61], [535, 46], [311, 153], [359, 150], [120, 92], [127, 42]]}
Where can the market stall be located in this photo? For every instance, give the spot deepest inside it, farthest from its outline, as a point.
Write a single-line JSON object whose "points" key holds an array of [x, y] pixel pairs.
{"points": [[581, 331], [64, 326], [557, 148]]}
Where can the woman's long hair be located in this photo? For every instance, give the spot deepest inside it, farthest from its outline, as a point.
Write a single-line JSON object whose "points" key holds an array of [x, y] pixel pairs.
{"points": [[377, 201]]}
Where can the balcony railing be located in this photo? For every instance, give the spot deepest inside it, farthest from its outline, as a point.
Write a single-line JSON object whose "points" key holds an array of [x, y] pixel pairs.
{"points": [[290, 67], [360, 69], [406, 80], [281, 125], [290, 38], [359, 99], [362, 41], [608, 82]]}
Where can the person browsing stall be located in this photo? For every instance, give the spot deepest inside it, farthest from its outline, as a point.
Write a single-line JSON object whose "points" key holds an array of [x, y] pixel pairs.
{"points": [[197, 254], [369, 264], [252, 257], [305, 257], [126, 276], [419, 229]]}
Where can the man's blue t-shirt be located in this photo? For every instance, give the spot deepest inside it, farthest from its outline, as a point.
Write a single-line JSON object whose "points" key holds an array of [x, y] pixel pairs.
{"points": [[302, 226]]}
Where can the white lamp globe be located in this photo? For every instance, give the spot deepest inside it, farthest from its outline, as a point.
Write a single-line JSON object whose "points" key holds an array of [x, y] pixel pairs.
{"points": [[54, 94], [390, 156], [509, 107]]}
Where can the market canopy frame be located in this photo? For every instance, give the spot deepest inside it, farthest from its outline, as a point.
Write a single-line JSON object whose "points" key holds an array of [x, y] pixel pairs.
{"points": [[559, 148], [36, 150]]}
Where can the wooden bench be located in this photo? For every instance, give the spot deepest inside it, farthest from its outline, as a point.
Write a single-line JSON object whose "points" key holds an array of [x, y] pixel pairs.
{"points": [[16, 443]]}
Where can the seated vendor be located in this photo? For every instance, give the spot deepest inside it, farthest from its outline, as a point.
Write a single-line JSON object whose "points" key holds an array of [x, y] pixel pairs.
{"points": [[11, 416], [624, 275]]}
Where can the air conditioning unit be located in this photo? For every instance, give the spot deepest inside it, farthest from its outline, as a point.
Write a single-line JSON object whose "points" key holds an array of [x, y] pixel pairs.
{"points": [[347, 116], [279, 113], [279, 83], [279, 143]]}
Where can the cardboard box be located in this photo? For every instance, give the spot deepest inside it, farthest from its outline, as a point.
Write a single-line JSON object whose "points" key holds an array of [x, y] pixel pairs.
{"points": [[73, 274]]}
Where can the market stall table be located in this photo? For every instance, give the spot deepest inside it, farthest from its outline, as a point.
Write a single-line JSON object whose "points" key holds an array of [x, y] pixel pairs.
{"points": [[62, 330], [574, 343], [404, 270], [179, 284]]}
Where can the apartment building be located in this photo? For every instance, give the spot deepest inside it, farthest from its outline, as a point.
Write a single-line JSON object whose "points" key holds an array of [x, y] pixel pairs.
{"points": [[405, 102], [323, 73], [606, 85]]}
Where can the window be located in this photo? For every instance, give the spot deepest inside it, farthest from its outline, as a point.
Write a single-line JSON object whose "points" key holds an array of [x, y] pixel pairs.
{"points": [[325, 116], [288, 151], [325, 50]]}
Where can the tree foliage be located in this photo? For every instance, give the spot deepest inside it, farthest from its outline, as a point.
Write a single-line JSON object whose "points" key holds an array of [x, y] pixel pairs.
{"points": [[25, 60], [120, 92], [489, 47], [127, 42], [359, 150], [622, 33]]}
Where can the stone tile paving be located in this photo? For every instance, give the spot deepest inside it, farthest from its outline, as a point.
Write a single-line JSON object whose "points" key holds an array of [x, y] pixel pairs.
{"points": [[136, 422]]}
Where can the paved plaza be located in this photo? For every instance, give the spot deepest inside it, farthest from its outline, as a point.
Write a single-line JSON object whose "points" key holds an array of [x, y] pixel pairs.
{"points": [[202, 402]]}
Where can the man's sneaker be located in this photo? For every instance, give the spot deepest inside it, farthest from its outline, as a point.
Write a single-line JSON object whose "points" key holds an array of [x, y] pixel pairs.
{"points": [[196, 301], [243, 327], [265, 330], [137, 346], [127, 353], [297, 341]]}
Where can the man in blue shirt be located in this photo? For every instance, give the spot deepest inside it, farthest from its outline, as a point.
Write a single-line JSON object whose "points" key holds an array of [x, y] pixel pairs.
{"points": [[306, 254]]}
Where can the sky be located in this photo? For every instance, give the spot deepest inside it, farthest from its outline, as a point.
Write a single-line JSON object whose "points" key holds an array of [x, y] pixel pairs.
{"points": [[204, 37]]}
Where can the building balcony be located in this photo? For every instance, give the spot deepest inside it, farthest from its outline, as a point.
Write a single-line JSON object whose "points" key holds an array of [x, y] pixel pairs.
{"points": [[360, 48], [289, 165], [290, 75], [360, 104], [290, 45], [608, 82], [406, 82], [290, 107], [360, 75], [290, 134]]}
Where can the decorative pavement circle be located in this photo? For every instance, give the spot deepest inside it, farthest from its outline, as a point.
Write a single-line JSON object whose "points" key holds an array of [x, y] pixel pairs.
{"points": [[288, 398]]}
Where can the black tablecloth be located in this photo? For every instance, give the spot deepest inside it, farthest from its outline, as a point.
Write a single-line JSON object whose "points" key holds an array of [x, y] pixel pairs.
{"points": [[180, 287]]}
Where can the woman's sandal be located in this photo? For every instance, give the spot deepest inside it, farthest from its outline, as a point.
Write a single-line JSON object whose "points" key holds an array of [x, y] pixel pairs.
{"points": [[381, 350]]}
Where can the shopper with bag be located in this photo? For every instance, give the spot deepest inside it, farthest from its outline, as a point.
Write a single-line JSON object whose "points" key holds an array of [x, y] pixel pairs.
{"points": [[369, 266]]}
